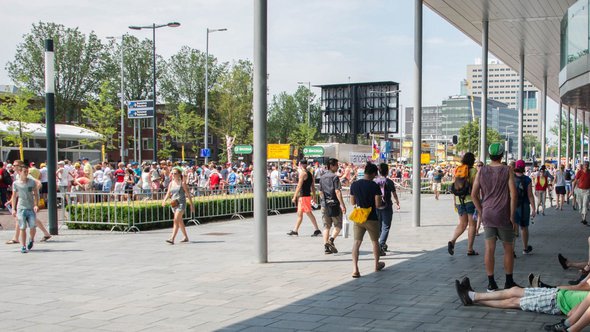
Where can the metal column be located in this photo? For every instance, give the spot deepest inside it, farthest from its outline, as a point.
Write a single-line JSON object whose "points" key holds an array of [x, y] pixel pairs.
{"points": [[574, 137], [559, 135], [260, 113], [567, 137], [51, 139], [417, 126], [582, 137], [544, 121], [483, 125], [521, 108]]}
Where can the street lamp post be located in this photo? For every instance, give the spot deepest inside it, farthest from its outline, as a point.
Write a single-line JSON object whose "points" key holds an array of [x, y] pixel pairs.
{"points": [[446, 136], [122, 98], [507, 140], [206, 138], [308, 100], [154, 26]]}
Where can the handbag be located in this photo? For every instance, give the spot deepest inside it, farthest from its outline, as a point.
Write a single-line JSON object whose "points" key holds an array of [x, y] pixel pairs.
{"points": [[174, 203], [360, 215]]}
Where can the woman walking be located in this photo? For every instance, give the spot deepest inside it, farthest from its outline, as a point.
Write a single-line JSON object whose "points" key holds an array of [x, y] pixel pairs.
{"points": [[179, 194]]}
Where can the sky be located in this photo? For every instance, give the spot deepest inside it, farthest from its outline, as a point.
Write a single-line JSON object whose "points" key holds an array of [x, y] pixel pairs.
{"points": [[323, 42]]}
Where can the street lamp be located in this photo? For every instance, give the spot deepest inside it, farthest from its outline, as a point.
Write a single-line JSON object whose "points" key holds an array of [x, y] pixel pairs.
{"points": [[154, 26], [122, 98], [446, 135], [207, 88], [507, 140], [308, 100]]}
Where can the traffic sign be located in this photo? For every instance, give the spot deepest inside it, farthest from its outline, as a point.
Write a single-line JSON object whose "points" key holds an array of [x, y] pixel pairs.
{"points": [[313, 151], [383, 155], [205, 153], [243, 149], [140, 109]]}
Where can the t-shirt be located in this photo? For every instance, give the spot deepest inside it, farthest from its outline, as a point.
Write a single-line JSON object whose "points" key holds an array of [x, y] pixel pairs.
{"points": [[274, 178], [386, 186], [568, 299], [364, 192], [34, 172], [43, 172], [522, 183], [25, 190], [120, 175], [329, 183], [583, 180], [437, 176]]}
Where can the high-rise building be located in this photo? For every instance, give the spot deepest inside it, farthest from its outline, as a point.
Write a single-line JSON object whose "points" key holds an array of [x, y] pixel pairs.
{"points": [[503, 86]]}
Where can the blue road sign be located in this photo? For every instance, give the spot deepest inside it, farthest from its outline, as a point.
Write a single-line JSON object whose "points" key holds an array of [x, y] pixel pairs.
{"points": [[205, 153], [139, 109], [383, 155]]}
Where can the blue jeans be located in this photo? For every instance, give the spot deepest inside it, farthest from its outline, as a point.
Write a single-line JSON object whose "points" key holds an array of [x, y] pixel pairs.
{"points": [[384, 216]]}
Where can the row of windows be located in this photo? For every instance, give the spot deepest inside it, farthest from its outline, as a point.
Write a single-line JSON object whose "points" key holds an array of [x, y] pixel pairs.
{"points": [[492, 86], [494, 69]]}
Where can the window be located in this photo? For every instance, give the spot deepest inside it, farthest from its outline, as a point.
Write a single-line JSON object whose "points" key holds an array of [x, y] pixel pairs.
{"points": [[147, 144]]}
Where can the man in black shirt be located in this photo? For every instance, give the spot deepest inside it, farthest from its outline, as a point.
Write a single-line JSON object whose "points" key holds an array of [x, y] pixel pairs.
{"points": [[332, 205]]}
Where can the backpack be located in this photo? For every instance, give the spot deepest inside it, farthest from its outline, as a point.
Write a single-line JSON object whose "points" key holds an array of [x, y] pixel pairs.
{"points": [[568, 175], [6, 178], [461, 187], [521, 188]]}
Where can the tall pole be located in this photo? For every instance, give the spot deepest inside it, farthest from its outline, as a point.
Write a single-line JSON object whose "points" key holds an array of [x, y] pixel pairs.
{"points": [[206, 138], [308, 103], [260, 113], [567, 137], [574, 138], [521, 107], [582, 137], [484, 92], [417, 126], [559, 134], [51, 140], [123, 100], [544, 121], [155, 121]]}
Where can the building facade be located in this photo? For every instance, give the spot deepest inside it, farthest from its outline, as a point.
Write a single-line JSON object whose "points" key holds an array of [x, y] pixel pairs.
{"points": [[503, 86]]}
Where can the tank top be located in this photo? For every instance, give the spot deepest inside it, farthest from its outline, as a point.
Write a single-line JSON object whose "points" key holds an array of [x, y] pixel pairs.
{"points": [[306, 187], [177, 192], [493, 181]]}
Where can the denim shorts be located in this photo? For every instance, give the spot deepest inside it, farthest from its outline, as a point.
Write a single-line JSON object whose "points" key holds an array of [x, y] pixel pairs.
{"points": [[468, 208], [26, 217]]}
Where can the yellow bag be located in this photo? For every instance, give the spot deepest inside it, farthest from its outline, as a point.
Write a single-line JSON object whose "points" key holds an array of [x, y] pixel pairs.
{"points": [[360, 215], [41, 203]]}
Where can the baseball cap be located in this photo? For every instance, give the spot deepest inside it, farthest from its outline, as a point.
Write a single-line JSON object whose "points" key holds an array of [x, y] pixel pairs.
{"points": [[85, 158], [519, 164], [496, 149]]}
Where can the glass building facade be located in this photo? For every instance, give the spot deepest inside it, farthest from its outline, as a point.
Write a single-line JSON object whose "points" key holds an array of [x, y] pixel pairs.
{"points": [[575, 33]]}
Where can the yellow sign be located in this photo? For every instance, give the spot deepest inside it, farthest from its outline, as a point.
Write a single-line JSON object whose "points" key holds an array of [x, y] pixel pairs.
{"points": [[425, 158], [278, 151]]}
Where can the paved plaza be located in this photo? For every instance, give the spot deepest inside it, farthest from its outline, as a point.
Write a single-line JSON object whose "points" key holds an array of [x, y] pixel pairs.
{"points": [[101, 281]]}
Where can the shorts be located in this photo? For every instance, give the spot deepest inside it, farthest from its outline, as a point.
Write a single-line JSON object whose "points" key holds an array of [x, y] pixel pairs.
{"points": [[331, 221], [560, 190], [44, 188], [505, 235], [371, 226], [180, 207], [522, 215], [26, 217], [543, 300], [468, 208], [119, 187], [568, 186], [304, 204], [436, 186], [540, 194]]}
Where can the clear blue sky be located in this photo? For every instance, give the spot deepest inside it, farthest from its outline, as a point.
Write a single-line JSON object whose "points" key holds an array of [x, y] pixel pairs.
{"points": [[323, 42]]}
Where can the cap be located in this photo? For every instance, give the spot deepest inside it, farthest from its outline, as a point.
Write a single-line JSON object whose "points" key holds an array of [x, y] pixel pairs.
{"points": [[61, 162], [154, 163], [134, 163], [438, 168], [496, 149], [42, 165], [84, 158], [77, 165], [32, 163], [520, 164]]}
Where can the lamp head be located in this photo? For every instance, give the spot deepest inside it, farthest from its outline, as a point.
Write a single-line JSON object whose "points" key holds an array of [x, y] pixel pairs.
{"points": [[173, 24], [134, 27]]}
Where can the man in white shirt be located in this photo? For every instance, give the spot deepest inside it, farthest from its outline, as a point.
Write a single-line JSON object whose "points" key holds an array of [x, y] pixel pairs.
{"points": [[274, 178]]}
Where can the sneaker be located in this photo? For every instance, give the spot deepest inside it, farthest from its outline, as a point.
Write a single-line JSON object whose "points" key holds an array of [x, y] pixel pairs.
{"points": [[463, 293], [492, 287], [382, 252], [560, 326], [23, 250], [467, 284], [317, 232], [562, 261], [528, 250], [30, 245], [536, 281], [332, 248], [531, 278], [584, 222], [511, 284], [327, 250], [451, 248], [384, 247], [291, 233]]}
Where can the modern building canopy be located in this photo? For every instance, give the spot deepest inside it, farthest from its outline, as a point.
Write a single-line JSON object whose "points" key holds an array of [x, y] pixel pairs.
{"points": [[62, 131], [531, 27]]}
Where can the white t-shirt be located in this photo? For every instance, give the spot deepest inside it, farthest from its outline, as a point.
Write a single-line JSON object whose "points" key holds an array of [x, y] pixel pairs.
{"points": [[145, 181], [98, 176], [64, 178], [274, 178], [43, 172]]}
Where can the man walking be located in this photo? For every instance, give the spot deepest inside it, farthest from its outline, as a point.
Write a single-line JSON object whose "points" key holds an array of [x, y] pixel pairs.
{"points": [[332, 205], [495, 182], [303, 196], [26, 191], [581, 188], [526, 203]]}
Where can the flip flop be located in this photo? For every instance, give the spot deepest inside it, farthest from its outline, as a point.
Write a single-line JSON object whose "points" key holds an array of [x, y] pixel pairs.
{"points": [[380, 266], [356, 275], [170, 241], [472, 253], [11, 242], [45, 238], [451, 248], [185, 240]]}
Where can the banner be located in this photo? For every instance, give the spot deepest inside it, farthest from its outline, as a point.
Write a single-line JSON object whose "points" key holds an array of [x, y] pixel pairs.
{"points": [[278, 151]]}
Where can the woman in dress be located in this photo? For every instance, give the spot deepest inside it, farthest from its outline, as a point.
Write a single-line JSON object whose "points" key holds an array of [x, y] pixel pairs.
{"points": [[179, 194]]}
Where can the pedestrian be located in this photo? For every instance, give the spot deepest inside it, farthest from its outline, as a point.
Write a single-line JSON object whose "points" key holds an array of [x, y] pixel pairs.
{"points": [[5, 183], [541, 180], [180, 195], [568, 176], [436, 180], [495, 182], [26, 192], [385, 215], [560, 187], [581, 186], [333, 207], [463, 204], [526, 203], [303, 197], [365, 193]]}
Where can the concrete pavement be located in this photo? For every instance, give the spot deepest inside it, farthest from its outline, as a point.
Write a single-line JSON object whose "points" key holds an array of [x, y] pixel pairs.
{"points": [[101, 281]]}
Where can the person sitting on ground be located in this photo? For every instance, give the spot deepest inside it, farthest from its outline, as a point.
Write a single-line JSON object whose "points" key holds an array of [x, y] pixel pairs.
{"points": [[584, 267]]}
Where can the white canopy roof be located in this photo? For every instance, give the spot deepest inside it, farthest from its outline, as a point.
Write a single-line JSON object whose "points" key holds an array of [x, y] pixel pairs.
{"points": [[62, 131]]}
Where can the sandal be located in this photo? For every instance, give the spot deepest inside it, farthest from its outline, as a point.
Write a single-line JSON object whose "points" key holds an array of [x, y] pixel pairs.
{"points": [[356, 275], [11, 242], [45, 238], [451, 248], [472, 253], [380, 266], [184, 240], [170, 241]]}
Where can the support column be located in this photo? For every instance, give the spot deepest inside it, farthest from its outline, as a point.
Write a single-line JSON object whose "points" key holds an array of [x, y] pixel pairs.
{"points": [[559, 135], [582, 137], [417, 126], [483, 118], [574, 138], [544, 121], [567, 137], [260, 113], [521, 108], [51, 138]]}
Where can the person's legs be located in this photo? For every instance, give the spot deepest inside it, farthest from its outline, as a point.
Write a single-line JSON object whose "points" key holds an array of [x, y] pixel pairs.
{"points": [[178, 219], [543, 198], [174, 230], [355, 257], [460, 228], [508, 257], [471, 233], [313, 220], [39, 224], [490, 249], [583, 203], [514, 292], [298, 221], [385, 217]]}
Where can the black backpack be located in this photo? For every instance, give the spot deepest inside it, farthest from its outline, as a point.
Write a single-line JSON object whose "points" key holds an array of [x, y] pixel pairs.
{"points": [[568, 175], [521, 187], [6, 178]]}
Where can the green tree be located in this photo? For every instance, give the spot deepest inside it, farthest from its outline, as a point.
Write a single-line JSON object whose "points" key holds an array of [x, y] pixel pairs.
{"points": [[17, 110], [287, 111], [103, 117], [574, 137], [469, 137], [79, 66], [233, 106], [303, 136], [181, 126], [530, 142]]}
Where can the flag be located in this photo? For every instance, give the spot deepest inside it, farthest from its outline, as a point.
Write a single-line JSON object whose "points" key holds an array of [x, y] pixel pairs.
{"points": [[376, 150]]}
